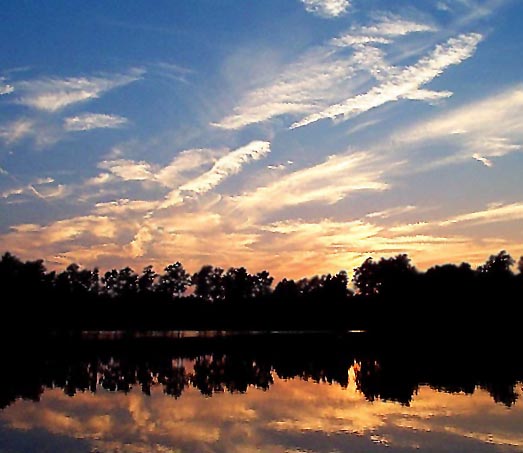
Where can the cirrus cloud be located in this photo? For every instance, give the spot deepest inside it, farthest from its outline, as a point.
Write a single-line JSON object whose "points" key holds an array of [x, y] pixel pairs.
{"points": [[53, 94], [326, 8], [406, 84], [88, 121]]}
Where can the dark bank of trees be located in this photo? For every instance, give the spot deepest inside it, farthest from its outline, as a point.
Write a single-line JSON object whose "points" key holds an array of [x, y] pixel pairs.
{"points": [[388, 293]]}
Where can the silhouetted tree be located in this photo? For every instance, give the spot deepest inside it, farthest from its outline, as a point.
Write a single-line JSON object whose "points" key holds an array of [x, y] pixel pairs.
{"points": [[325, 287], [208, 283], [262, 282], [174, 281], [366, 278], [286, 290], [122, 283], [10, 272], [308, 286], [520, 265], [75, 280], [238, 284], [387, 276], [335, 287], [499, 264], [449, 279], [147, 279]]}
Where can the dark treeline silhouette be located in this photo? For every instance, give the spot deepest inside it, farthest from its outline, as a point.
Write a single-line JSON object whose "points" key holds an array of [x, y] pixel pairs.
{"points": [[236, 363], [390, 293]]}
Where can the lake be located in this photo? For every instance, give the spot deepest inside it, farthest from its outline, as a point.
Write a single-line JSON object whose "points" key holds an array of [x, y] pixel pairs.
{"points": [[292, 392]]}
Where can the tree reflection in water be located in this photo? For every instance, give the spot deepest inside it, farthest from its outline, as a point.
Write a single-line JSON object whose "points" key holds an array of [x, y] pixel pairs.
{"points": [[236, 363]]}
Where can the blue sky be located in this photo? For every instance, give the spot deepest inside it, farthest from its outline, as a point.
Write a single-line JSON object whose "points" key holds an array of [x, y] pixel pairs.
{"points": [[301, 136]]}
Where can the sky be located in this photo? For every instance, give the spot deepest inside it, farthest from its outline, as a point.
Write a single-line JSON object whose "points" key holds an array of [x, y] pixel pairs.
{"points": [[298, 136]]}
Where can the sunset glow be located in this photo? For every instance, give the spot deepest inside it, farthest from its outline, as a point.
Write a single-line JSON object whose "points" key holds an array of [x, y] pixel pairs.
{"points": [[300, 136]]}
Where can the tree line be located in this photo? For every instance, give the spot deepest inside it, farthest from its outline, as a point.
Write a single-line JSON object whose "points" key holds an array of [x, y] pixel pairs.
{"points": [[386, 276], [389, 293]]}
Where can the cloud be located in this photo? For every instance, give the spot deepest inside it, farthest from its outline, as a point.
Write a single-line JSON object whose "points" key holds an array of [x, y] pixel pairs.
{"points": [[325, 75], [224, 167], [304, 246], [88, 121], [43, 188], [483, 160], [13, 191], [493, 214], [128, 170], [229, 164], [328, 182], [53, 94], [305, 85], [184, 173], [99, 180], [404, 85], [5, 88], [326, 8], [142, 238], [320, 77], [186, 164], [386, 27], [357, 237], [23, 239], [317, 79], [391, 212], [52, 191], [483, 129], [16, 130], [409, 227], [124, 206]]}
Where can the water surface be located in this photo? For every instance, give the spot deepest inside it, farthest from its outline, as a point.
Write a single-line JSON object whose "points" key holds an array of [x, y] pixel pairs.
{"points": [[285, 393]]}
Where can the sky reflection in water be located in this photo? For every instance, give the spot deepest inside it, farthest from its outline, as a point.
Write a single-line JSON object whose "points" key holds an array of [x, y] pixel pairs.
{"points": [[293, 416]]}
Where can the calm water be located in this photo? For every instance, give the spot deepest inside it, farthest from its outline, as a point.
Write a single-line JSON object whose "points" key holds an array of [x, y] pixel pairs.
{"points": [[279, 394]]}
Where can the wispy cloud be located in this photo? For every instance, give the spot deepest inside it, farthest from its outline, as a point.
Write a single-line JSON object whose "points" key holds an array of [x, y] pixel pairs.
{"points": [[326, 182], [60, 231], [124, 206], [391, 212], [483, 160], [481, 130], [16, 130], [224, 167], [493, 214], [5, 88], [13, 191], [188, 174], [326, 8], [43, 188], [184, 164], [188, 164], [88, 121], [387, 26], [326, 74], [99, 180], [345, 244], [314, 80], [128, 170], [404, 85], [229, 164], [53, 94]]}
